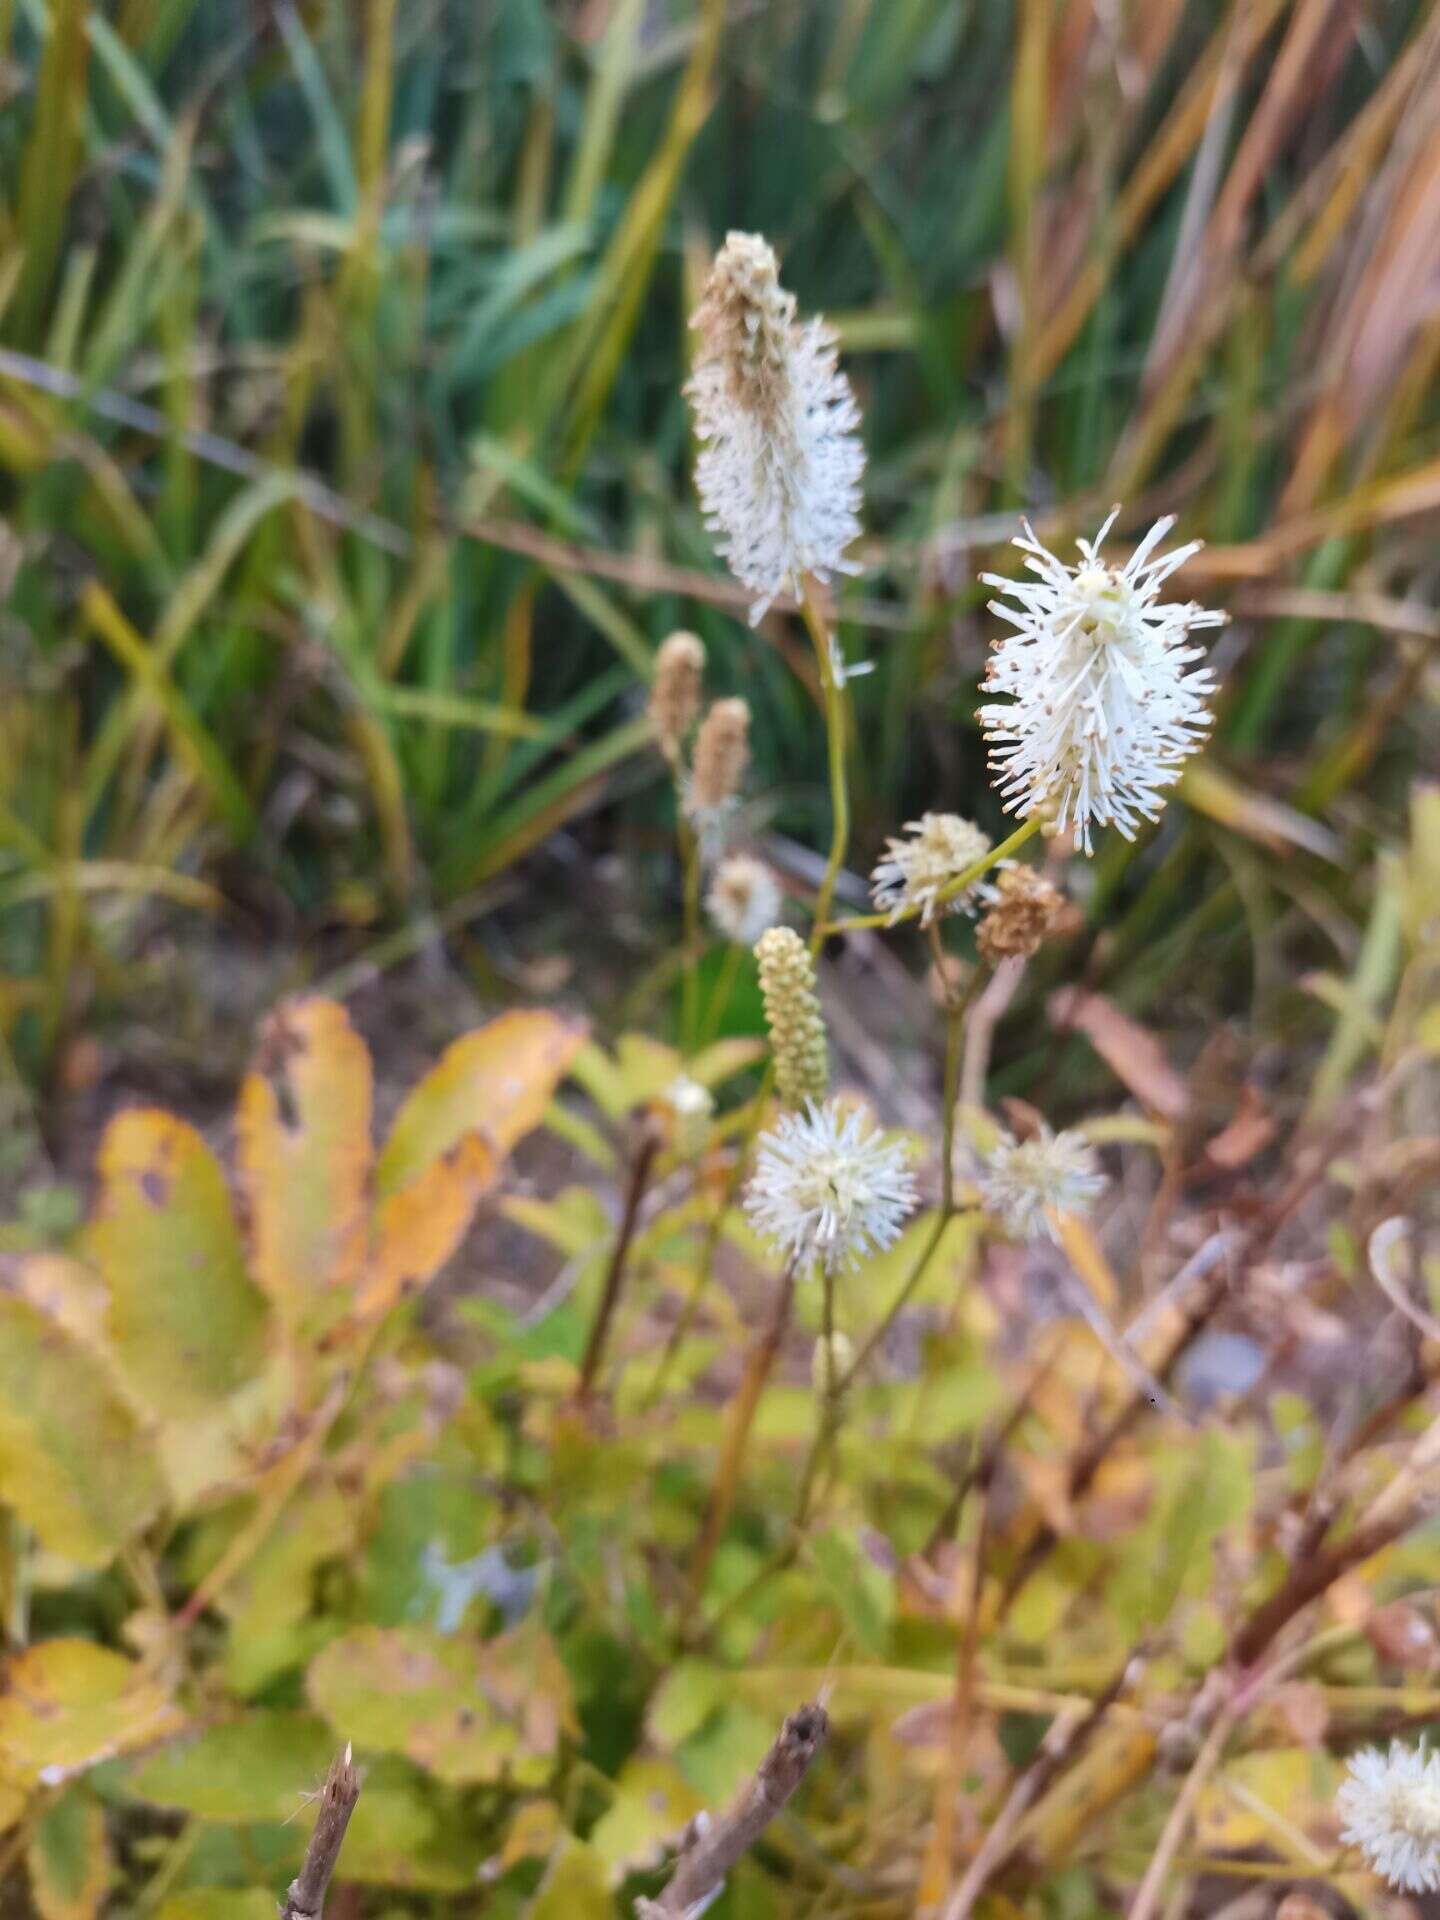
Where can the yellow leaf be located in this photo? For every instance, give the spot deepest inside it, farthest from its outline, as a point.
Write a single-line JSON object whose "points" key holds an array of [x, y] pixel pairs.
{"points": [[497, 1081], [418, 1228], [574, 1888], [303, 1128], [533, 1832], [74, 1463], [653, 1801], [1088, 1261], [66, 1705], [1231, 1810], [186, 1325]]}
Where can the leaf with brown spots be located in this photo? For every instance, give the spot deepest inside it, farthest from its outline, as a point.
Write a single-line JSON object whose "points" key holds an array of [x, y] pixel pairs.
{"points": [[186, 1325], [464, 1712], [303, 1127], [497, 1081], [66, 1705], [417, 1229]]}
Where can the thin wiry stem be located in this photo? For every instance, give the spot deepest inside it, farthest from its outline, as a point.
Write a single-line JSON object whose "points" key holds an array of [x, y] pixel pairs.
{"points": [[615, 1275], [690, 939], [714, 1228], [739, 1418], [955, 1017], [855, 922], [1147, 1898], [834, 696]]}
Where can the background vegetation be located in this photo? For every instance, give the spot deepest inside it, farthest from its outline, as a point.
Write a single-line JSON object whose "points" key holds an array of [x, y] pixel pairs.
{"points": [[346, 496]]}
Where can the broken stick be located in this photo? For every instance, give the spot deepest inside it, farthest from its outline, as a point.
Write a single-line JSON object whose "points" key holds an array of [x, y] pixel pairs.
{"points": [[711, 1847], [306, 1898]]}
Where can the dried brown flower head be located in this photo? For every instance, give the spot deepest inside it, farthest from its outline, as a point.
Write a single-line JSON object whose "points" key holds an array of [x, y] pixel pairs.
{"points": [[675, 692], [722, 752], [1027, 910]]}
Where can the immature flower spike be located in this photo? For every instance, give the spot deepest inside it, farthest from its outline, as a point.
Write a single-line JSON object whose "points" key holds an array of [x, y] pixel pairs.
{"points": [[915, 870], [1391, 1807], [1104, 706], [1023, 1181], [675, 692], [792, 1013], [780, 461], [827, 1188], [1025, 909], [744, 899], [722, 752]]}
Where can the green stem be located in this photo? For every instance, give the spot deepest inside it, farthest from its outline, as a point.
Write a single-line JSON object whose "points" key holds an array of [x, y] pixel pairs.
{"points": [[713, 1230], [834, 696], [954, 1033], [720, 995], [690, 939], [976, 871]]}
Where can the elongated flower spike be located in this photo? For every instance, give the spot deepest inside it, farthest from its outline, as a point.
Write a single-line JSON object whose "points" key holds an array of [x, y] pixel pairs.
{"points": [[792, 1013], [781, 462], [717, 766], [675, 692], [1104, 704]]}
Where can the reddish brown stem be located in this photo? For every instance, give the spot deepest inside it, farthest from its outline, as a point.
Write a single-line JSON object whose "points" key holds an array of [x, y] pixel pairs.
{"points": [[1307, 1579], [615, 1274]]}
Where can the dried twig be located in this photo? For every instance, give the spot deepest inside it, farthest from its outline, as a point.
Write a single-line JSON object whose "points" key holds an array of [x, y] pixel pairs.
{"points": [[1147, 1897], [306, 1898], [1067, 1737], [710, 1848]]}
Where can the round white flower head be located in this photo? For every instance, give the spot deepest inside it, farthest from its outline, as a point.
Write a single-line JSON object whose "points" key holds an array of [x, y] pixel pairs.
{"points": [[780, 459], [744, 899], [1104, 704], [827, 1187], [910, 877], [1391, 1807], [693, 1107], [1022, 1180]]}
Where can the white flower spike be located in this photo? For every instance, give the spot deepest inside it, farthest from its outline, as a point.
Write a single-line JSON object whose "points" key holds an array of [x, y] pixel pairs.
{"points": [[938, 849], [1024, 1181], [1104, 703], [827, 1188], [781, 460], [1391, 1807]]}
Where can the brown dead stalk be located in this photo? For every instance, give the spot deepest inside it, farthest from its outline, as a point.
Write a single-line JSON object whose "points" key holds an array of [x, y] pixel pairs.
{"points": [[710, 1848], [306, 1898]]}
